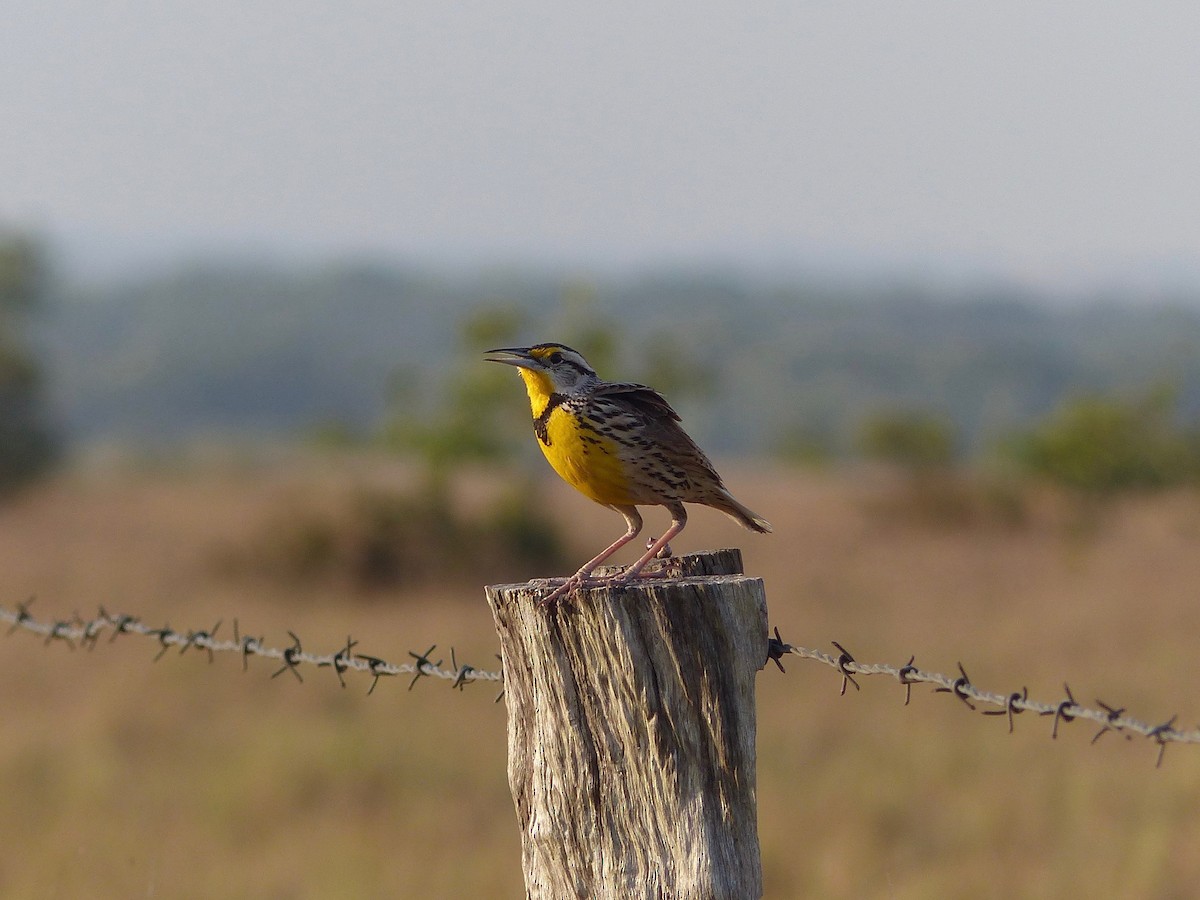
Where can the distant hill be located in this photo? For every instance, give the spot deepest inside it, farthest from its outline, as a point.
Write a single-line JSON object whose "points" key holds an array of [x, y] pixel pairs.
{"points": [[272, 351]]}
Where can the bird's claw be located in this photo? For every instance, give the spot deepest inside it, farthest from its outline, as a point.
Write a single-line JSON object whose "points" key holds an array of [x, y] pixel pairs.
{"points": [[551, 598], [575, 582]]}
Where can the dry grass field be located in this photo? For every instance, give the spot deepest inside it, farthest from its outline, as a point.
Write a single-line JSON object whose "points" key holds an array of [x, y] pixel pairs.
{"points": [[125, 777]]}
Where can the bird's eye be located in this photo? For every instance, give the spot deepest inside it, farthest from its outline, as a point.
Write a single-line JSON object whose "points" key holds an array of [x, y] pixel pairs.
{"points": [[555, 358]]}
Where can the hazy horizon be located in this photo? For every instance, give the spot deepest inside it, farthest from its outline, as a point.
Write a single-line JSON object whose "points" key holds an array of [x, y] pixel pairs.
{"points": [[92, 261]]}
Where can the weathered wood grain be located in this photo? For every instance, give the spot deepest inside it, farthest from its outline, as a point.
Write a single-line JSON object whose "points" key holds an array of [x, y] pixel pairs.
{"points": [[631, 729]]}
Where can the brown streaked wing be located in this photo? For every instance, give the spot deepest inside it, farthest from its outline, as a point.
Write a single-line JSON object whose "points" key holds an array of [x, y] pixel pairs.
{"points": [[662, 428]]}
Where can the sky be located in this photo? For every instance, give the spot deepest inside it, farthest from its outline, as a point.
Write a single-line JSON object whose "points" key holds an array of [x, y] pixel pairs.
{"points": [[1048, 143]]}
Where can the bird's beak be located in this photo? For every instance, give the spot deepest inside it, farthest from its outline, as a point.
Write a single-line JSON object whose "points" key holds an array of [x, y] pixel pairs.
{"points": [[512, 356]]}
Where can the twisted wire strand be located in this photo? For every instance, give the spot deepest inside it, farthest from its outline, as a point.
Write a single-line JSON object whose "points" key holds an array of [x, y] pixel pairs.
{"points": [[87, 632], [1066, 710]]}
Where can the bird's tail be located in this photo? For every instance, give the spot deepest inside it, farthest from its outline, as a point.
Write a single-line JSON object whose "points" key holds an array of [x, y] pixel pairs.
{"points": [[747, 517]]}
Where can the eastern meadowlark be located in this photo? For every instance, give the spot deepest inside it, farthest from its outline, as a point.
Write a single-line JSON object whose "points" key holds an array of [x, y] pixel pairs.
{"points": [[619, 444]]}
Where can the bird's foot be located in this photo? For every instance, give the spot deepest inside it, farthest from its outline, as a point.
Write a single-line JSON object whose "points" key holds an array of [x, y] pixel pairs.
{"points": [[576, 581], [562, 590], [586, 580]]}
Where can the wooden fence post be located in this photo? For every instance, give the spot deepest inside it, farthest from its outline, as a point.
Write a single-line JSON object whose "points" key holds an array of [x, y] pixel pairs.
{"points": [[631, 729]]}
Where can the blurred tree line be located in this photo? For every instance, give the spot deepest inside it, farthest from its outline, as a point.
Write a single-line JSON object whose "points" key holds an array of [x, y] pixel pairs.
{"points": [[27, 447], [817, 373], [267, 351]]}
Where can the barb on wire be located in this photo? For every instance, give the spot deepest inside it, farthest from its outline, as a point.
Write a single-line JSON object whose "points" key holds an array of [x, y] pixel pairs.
{"points": [[422, 663], [460, 680], [341, 660], [1066, 710], [87, 632]]}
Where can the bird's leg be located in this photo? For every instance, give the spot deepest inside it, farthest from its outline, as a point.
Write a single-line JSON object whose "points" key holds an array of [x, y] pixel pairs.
{"points": [[633, 522], [678, 520]]}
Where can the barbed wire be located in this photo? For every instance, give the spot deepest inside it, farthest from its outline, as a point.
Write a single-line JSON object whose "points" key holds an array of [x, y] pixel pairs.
{"points": [[1066, 710], [78, 631]]}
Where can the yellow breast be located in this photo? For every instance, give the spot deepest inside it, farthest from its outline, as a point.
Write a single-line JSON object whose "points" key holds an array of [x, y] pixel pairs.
{"points": [[592, 466]]}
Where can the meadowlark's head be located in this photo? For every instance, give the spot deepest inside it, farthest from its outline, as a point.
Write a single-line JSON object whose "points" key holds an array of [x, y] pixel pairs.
{"points": [[548, 368]]}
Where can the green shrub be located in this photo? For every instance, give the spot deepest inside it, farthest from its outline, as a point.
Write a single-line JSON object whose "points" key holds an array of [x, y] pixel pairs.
{"points": [[1103, 445]]}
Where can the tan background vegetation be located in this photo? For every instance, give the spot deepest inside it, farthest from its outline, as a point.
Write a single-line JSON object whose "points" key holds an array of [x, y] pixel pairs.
{"points": [[124, 777]]}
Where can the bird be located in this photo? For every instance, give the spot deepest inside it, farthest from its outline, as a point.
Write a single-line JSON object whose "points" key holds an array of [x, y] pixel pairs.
{"points": [[620, 444]]}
